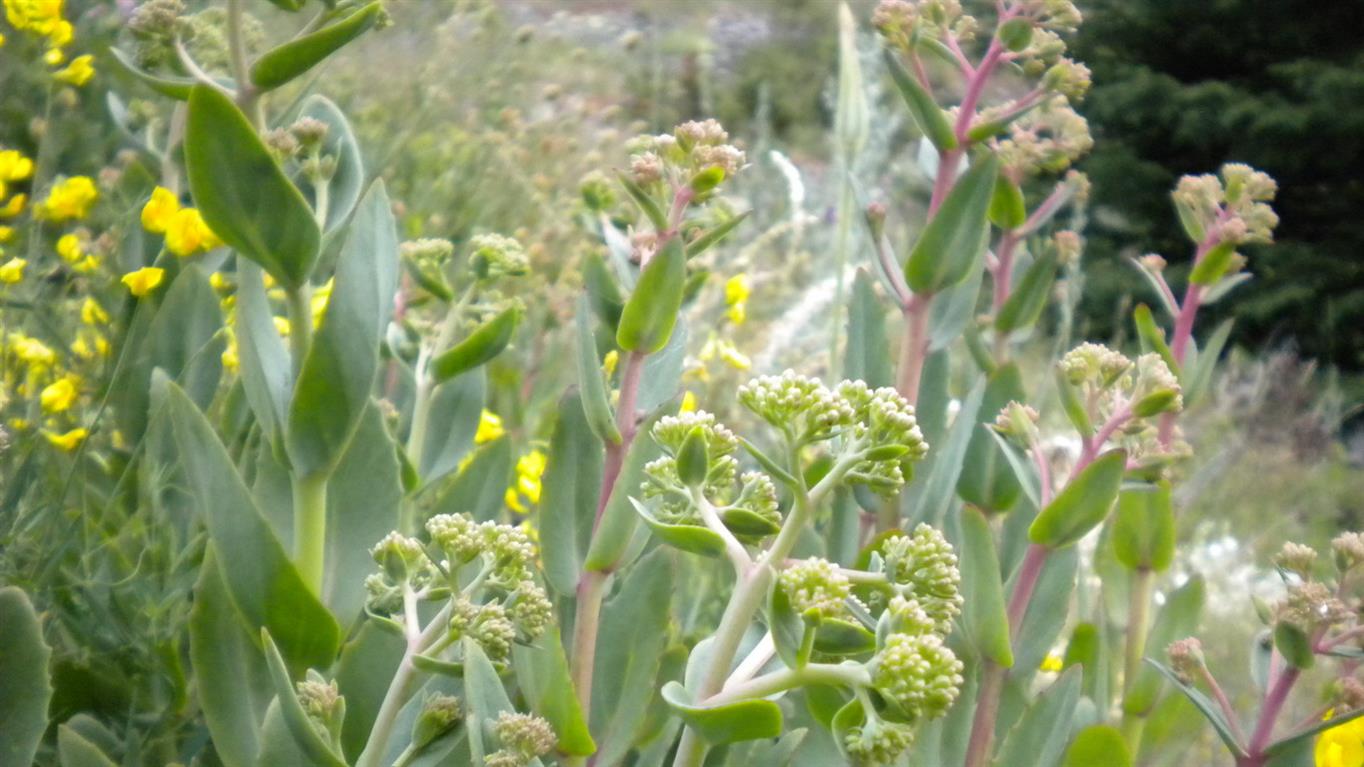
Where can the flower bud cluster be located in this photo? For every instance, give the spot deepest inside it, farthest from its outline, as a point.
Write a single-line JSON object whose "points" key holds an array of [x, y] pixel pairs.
{"points": [[1297, 559], [1232, 209], [1111, 381], [878, 741], [1017, 422], [816, 586], [1186, 659], [322, 702], [1311, 605], [439, 715], [797, 404], [1046, 140], [903, 23], [153, 28], [918, 673], [523, 738], [1348, 551], [493, 256], [884, 426], [696, 153], [923, 566], [753, 492]]}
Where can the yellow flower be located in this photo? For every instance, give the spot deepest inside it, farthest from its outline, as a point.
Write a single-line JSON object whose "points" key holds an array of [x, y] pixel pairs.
{"points": [[513, 501], [1052, 663], [68, 441], [86, 265], [282, 325], [144, 280], [736, 298], [14, 207], [688, 403], [92, 313], [18, 424], [231, 360], [78, 72], [32, 352], [219, 282], [69, 199], [90, 344], [69, 247], [529, 468], [58, 396], [1341, 746], [12, 270], [735, 358], [187, 234], [6, 233], [609, 364], [489, 428], [54, 57], [317, 304], [159, 210], [14, 166]]}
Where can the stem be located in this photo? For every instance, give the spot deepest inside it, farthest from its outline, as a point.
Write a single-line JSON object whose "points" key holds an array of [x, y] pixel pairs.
{"points": [[987, 708], [1138, 614], [787, 678], [914, 347], [300, 326], [1220, 696], [1269, 714], [1028, 573], [1003, 275], [592, 583], [310, 528], [401, 688]]}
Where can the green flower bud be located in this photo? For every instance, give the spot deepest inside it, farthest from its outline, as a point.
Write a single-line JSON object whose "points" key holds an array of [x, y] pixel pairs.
{"points": [[458, 535], [486, 624], [919, 673], [1016, 33], [816, 586], [926, 563], [399, 555], [907, 616], [597, 192], [494, 256], [1348, 550], [524, 734], [322, 702], [1018, 423], [531, 609], [381, 596], [439, 716], [799, 403], [878, 742]]}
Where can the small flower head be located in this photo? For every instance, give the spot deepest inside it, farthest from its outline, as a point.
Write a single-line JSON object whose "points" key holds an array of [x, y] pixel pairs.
{"points": [[904, 615], [487, 625], [322, 702], [12, 271], [1348, 550], [439, 715], [799, 403], [494, 256], [1094, 365], [815, 586], [67, 441], [1310, 605], [1046, 140], [187, 233], [925, 562], [524, 736], [78, 72], [1297, 559], [489, 427], [1155, 388], [884, 427], [58, 396], [1017, 422], [1233, 209], [919, 673], [459, 536], [399, 556], [1186, 658], [878, 742]]}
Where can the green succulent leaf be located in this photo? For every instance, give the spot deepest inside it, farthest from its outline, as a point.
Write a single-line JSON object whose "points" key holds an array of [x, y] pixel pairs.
{"points": [[24, 686], [646, 322], [1213, 265], [1041, 734], [291, 59], [836, 636], [178, 88], [542, 674], [715, 235], [1098, 744], [1007, 207], [1178, 618], [479, 347], [73, 750], [1025, 304], [1083, 504], [1144, 527], [1294, 645], [692, 538], [306, 736], [930, 118], [985, 619], [571, 489], [243, 194], [591, 385], [730, 723], [619, 519], [954, 238]]}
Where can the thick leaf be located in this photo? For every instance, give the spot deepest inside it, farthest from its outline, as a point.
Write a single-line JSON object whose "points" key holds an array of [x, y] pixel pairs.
{"points": [[865, 358], [619, 519], [229, 671], [184, 340], [932, 122], [1098, 744], [646, 323], [954, 310], [363, 498], [348, 180], [177, 88], [456, 406], [243, 194], [24, 687], [1178, 618], [984, 617], [479, 347], [285, 62], [1040, 736], [602, 291], [542, 674], [945, 467], [692, 538], [263, 358], [953, 240], [744, 720], [334, 385], [571, 488], [1029, 297], [277, 743], [1007, 207], [73, 750], [787, 628], [1213, 265], [591, 385], [480, 487], [1083, 504], [263, 584], [627, 667], [840, 637], [987, 480], [1293, 644], [647, 204], [1047, 612], [704, 242], [306, 737], [1144, 527], [1205, 363], [662, 376]]}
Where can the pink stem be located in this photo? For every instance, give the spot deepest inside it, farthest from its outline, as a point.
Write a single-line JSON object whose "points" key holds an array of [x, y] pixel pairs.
{"points": [[913, 347], [1028, 573], [1004, 269]]}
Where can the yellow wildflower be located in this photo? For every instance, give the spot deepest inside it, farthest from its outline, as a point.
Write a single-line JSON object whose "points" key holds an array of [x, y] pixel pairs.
{"points": [[6, 233], [14, 207], [86, 265], [318, 302], [609, 364], [12, 270], [70, 248], [160, 208], [90, 344], [54, 57], [187, 234], [92, 313], [489, 428], [230, 357], [529, 468], [69, 199], [688, 403], [68, 441], [78, 72], [18, 424], [58, 396], [735, 358], [14, 166], [513, 501], [736, 298], [1341, 746], [282, 325], [32, 352], [144, 280], [1052, 663], [219, 282]]}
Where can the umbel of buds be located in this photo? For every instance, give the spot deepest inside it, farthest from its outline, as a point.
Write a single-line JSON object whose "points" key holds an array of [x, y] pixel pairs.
{"points": [[696, 155], [523, 738]]}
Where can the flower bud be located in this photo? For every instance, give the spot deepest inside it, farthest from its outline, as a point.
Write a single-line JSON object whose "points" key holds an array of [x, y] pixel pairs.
{"points": [[919, 673], [692, 461], [1186, 659], [1348, 550], [815, 587], [1297, 559], [399, 555], [439, 716]]}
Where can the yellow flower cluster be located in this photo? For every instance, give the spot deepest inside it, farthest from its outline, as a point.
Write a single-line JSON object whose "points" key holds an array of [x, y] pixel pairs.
{"points": [[32, 368], [525, 490], [69, 200], [1341, 746], [184, 228], [72, 248], [737, 291], [489, 428], [14, 166], [44, 19]]}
